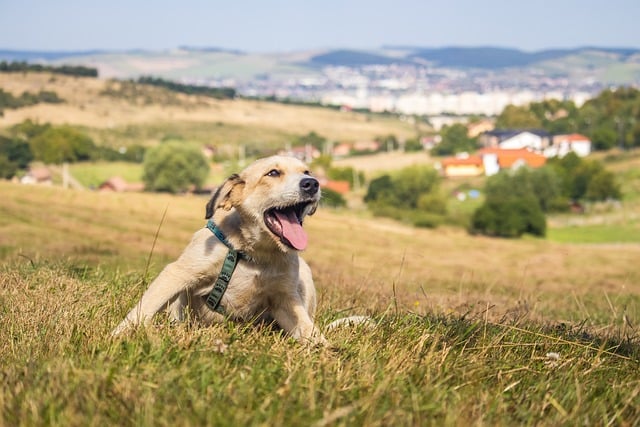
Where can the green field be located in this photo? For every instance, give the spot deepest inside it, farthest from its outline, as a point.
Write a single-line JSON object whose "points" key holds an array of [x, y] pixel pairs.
{"points": [[603, 233], [469, 330]]}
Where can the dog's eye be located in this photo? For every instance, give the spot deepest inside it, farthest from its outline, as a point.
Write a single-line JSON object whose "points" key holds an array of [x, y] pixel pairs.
{"points": [[274, 173], [307, 173]]}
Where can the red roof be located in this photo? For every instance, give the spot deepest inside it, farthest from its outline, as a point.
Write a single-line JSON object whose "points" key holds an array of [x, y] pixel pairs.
{"points": [[506, 158], [341, 187], [574, 137], [462, 161]]}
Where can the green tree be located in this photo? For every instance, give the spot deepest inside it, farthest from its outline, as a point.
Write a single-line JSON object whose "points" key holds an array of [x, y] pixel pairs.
{"points": [[380, 191], [16, 151], [455, 139], [332, 198], [603, 138], [174, 167], [585, 179], [509, 217], [28, 129], [411, 194], [346, 173], [61, 144], [7, 168], [313, 139], [511, 207], [412, 182], [413, 144], [517, 117]]}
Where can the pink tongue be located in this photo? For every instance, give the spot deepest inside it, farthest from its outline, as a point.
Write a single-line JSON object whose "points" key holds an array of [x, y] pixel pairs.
{"points": [[292, 230]]}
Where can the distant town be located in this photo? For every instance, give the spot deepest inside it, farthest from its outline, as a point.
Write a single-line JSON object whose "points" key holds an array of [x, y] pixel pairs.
{"points": [[421, 90]]}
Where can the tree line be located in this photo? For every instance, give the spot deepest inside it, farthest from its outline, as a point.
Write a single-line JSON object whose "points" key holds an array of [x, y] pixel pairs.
{"points": [[68, 70], [611, 119], [30, 141], [188, 89], [9, 101]]}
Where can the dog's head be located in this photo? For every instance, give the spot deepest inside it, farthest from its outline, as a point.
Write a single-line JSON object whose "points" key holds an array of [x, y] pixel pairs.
{"points": [[276, 194]]}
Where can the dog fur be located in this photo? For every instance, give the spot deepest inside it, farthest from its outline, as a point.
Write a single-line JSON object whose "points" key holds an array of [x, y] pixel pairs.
{"points": [[271, 282]]}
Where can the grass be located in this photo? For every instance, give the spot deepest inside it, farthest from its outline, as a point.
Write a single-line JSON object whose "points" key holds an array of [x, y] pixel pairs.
{"points": [[470, 331], [92, 174], [598, 233]]}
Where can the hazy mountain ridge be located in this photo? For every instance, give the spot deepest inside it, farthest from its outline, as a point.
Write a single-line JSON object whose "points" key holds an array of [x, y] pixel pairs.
{"points": [[485, 57]]}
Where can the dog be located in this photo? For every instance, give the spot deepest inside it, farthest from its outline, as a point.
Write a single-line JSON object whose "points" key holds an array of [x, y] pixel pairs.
{"points": [[257, 215]]}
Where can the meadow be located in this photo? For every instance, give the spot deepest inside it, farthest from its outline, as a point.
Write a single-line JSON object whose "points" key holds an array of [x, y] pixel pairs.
{"points": [[469, 330]]}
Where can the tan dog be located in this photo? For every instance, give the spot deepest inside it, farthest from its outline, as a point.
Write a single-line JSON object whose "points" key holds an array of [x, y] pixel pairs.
{"points": [[260, 213]]}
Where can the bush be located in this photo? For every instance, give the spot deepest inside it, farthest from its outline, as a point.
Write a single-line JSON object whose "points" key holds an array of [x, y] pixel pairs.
{"points": [[332, 198], [513, 205], [585, 179], [174, 167], [412, 194], [7, 168], [509, 217], [16, 152], [346, 173]]}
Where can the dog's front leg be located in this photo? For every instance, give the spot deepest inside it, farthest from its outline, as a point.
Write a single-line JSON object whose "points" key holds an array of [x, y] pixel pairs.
{"points": [[169, 283], [295, 320]]}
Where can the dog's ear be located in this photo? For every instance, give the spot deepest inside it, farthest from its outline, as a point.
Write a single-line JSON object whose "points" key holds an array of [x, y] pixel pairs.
{"points": [[226, 196]]}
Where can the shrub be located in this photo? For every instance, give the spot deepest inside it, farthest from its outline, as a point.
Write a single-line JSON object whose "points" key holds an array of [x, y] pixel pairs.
{"points": [[509, 217], [7, 168], [512, 206], [412, 194], [332, 198], [586, 179], [174, 167], [16, 151]]}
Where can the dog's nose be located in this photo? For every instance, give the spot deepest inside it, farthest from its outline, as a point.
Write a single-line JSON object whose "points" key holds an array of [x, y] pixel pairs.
{"points": [[309, 186]]}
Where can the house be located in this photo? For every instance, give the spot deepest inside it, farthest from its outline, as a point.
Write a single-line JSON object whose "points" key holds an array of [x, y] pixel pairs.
{"points": [[462, 165], [118, 184], [37, 175], [490, 161], [366, 146], [341, 150], [509, 139], [305, 153], [428, 142], [496, 159], [564, 144]]}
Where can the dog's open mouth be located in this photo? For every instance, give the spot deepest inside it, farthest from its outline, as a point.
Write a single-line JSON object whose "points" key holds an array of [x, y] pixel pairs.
{"points": [[286, 223]]}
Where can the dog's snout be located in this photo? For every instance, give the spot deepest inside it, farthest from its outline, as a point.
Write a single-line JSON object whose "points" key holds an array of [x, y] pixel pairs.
{"points": [[309, 186]]}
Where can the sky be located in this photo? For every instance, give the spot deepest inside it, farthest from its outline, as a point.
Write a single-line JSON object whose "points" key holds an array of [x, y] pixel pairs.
{"points": [[285, 26]]}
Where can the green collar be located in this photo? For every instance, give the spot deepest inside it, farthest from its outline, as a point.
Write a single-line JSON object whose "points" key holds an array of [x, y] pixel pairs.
{"points": [[229, 265]]}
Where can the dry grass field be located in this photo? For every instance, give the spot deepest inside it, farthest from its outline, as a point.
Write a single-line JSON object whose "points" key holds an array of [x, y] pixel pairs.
{"points": [[468, 330], [380, 261]]}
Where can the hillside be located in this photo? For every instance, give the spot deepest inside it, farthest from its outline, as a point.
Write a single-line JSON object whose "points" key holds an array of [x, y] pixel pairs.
{"points": [[143, 116]]}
